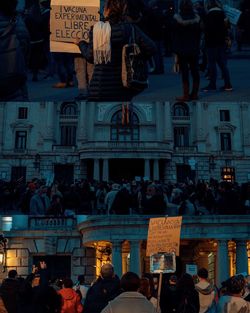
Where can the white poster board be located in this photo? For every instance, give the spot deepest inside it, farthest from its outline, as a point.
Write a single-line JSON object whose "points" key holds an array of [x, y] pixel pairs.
{"points": [[71, 19]]}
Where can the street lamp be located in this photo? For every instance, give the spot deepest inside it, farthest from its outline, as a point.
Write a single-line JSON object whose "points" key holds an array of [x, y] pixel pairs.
{"points": [[3, 250]]}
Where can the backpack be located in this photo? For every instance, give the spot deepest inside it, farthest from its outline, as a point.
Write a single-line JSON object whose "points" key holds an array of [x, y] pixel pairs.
{"points": [[12, 63], [134, 67]]}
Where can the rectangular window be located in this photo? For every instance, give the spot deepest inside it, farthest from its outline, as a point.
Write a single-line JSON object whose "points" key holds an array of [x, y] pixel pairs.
{"points": [[21, 140], [22, 113], [68, 135], [224, 115], [181, 136], [225, 139]]}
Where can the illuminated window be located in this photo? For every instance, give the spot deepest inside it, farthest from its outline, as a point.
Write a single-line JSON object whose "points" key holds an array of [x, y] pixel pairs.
{"points": [[228, 174]]}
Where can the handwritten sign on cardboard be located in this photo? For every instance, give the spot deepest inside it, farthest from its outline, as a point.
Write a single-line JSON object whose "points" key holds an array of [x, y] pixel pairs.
{"points": [[164, 235]]}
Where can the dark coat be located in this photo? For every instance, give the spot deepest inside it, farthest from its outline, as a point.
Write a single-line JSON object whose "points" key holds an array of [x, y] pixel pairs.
{"points": [[215, 28], [9, 291], [21, 32], [100, 293], [188, 301], [106, 83], [186, 35]]}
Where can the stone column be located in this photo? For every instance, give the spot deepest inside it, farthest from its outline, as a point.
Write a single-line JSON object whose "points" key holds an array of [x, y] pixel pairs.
{"points": [[200, 133], [105, 170], [50, 120], [82, 122], [49, 130], [159, 120], [96, 174], [147, 168], [167, 132], [117, 257], [135, 257], [222, 262], [156, 169], [241, 257]]}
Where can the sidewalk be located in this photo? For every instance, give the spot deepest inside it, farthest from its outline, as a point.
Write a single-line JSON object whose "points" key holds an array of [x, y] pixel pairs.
{"points": [[162, 87]]}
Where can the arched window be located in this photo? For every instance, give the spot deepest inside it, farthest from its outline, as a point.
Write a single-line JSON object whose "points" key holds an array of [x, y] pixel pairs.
{"points": [[121, 131], [181, 109], [68, 108]]}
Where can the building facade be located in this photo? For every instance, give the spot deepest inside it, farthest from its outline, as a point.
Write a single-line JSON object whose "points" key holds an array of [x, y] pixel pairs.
{"points": [[105, 141], [80, 245]]}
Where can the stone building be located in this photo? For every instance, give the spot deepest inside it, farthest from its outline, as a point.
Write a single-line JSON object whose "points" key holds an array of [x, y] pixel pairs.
{"points": [[161, 141], [104, 141], [80, 245]]}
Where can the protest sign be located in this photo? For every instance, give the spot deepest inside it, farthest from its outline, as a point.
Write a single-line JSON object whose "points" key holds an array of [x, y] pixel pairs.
{"points": [[164, 235], [163, 263], [232, 14], [69, 20], [191, 269]]}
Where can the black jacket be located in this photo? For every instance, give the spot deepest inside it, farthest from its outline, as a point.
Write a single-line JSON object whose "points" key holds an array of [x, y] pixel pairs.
{"points": [[186, 35], [215, 28], [106, 83], [9, 291], [100, 293]]}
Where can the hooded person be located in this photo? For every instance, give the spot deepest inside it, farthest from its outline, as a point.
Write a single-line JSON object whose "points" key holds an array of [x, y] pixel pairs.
{"points": [[71, 302]]}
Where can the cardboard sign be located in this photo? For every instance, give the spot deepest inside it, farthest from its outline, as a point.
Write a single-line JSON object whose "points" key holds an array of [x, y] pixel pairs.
{"points": [[232, 14], [71, 19], [164, 235], [163, 263]]}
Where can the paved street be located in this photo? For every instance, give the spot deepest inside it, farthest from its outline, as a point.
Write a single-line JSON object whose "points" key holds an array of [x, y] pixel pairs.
{"points": [[162, 87]]}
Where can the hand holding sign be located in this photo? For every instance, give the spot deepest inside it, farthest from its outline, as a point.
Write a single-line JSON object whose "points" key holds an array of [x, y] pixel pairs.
{"points": [[70, 22]]}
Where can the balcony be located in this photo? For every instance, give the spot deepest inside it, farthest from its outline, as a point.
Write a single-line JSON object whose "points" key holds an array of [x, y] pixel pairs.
{"points": [[128, 145], [181, 118], [187, 149], [63, 149], [20, 151], [68, 118], [51, 223]]}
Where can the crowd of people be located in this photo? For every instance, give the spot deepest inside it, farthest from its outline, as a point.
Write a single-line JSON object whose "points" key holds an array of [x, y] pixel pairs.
{"points": [[124, 197], [198, 30], [130, 294]]}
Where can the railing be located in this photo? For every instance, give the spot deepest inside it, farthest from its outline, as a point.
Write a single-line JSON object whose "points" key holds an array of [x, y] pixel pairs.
{"points": [[131, 145], [181, 118], [68, 117], [187, 149], [62, 148], [21, 151], [52, 223]]}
